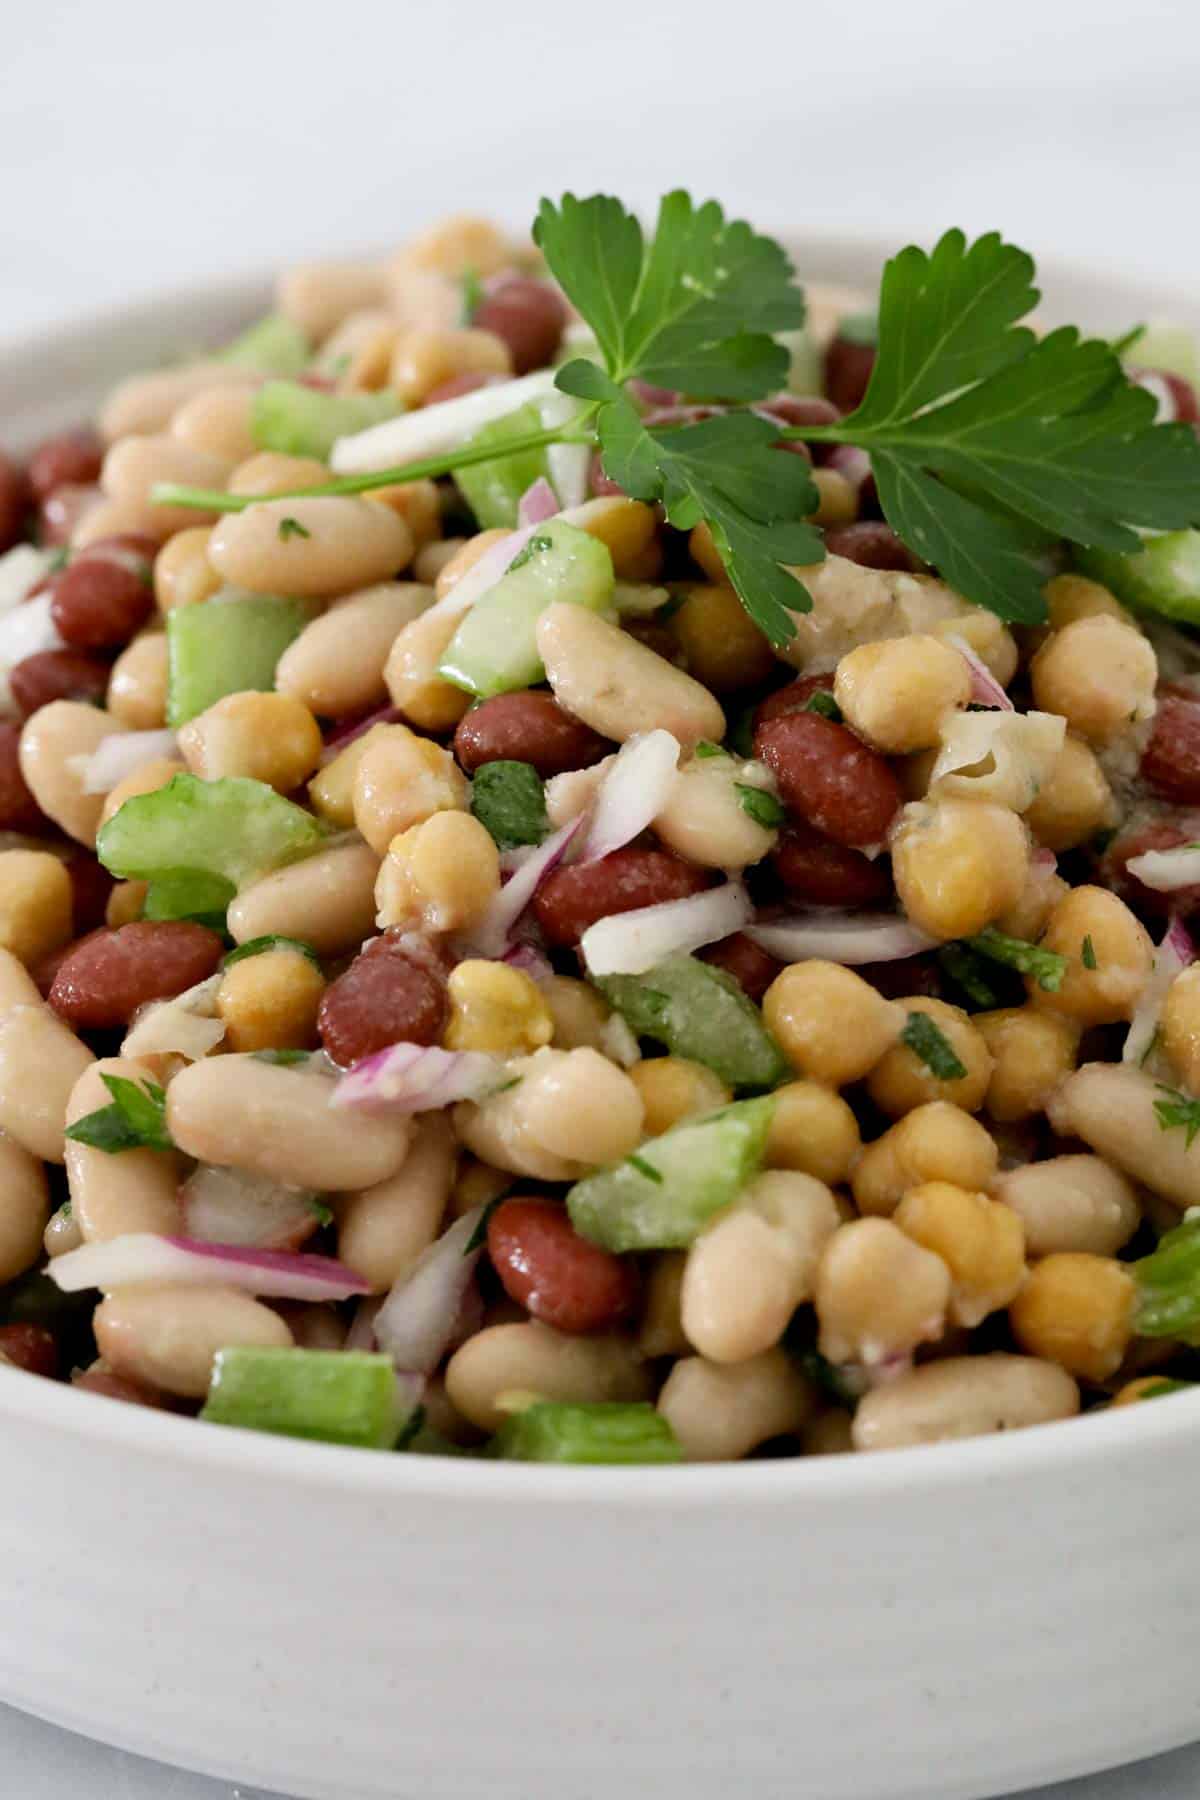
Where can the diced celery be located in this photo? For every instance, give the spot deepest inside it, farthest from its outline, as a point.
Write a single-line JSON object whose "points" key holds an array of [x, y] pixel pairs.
{"points": [[1168, 1285], [701, 1013], [226, 645], [1162, 577], [662, 1195], [305, 421], [492, 489], [271, 346], [335, 1396], [604, 1431], [234, 827], [1171, 348], [189, 894], [494, 650]]}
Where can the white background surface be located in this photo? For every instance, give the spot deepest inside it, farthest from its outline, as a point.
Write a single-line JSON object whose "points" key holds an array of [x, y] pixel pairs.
{"points": [[145, 145]]}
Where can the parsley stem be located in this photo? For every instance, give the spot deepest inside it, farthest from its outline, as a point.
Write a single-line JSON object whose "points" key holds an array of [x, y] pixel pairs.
{"points": [[169, 493]]}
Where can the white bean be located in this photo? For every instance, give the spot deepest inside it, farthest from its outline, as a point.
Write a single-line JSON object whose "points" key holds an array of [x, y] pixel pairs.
{"points": [[1071, 1203], [336, 664], [963, 1396], [619, 686], [570, 1108], [382, 1230], [135, 464], [532, 1358], [24, 1208], [41, 1059], [328, 900], [341, 544], [705, 818], [112, 1195], [218, 422], [1111, 1107], [51, 741], [720, 1412], [147, 403], [318, 296], [168, 1336]]}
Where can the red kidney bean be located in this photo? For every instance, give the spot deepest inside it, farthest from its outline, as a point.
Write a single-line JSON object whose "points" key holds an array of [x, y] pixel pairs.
{"points": [[575, 897], [1159, 834], [829, 777], [45, 970], [529, 316], [100, 601], [390, 994], [459, 385], [116, 1387], [527, 727], [598, 482], [1171, 759], [815, 869], [57, 675], [898, 980], [793, 698], [800, 409], [1184, 407], [91, 884], [19, 811], [105, 978], [872, 544], [14, 502], [72, 458], [556, 1275], [847, 370], [127, 543], [64, 509], [30, 1347], [753, 968]]}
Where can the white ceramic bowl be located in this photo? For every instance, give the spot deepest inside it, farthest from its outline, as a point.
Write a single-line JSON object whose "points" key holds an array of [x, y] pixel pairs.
{"points": [[915, 1625]]}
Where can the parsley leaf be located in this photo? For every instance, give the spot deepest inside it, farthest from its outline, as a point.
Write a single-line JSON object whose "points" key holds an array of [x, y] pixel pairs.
{"points": [[926, 1039], [1047, 967], [509, 801], [823, 702], [1088, 954], [137, 1119], [760, 805], [290, 528], [1178, 1110]]}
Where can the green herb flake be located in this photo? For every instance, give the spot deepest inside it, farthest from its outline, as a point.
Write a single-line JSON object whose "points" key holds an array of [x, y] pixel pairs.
{"points": [[1088, 954], [644, 1168], [926, 1039], [322, 1214], [968, 972], [706, 749], [823, 702], [290, 528], [509, 801], [478, 1237], [412, 1427], [1047, 967], [282, 1059], [1178, 1112], [1155, 1390], [471, 288], [136, 1119], [535, 547], [259, 946], [761, 806]]}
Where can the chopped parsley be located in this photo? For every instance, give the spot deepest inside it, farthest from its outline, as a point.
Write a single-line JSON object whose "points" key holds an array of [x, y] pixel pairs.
{"points": [[706, 748], [1088, 954], [761, 805], [274, 940], [527, 552], [968, 972], [644, 1168], [509, 801], [1178, 1112], [1047, 967], [136, 1119], [926, 1039], [290, 528], [823, 702]]}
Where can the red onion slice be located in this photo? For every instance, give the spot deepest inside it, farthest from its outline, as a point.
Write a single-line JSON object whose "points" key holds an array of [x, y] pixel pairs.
{"points": [[1175, 953], [634, 791], [117, 756], [418, 1320], [234, 1206], [630, 943], [531, 961], [141, 1258], [984, 686], [538, 503], [491, 937], [1167, 870], [411, 1078], [849, 938]]}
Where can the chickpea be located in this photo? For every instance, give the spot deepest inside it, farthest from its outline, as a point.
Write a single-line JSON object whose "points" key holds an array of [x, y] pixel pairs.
{"points": [[1076, 1310], [897, 693], [673, 1089], [901, 1080], [1180, 1025], [1032, 1052], [579, 1011], [1099, 673], [331, 790], [958, 864], [456, 245], [934, 1142], [1071, 597], [318, 296], [1091, 926], [441, 875], [570, 1109], [837, 502], [1044, 888], [878, 1294], [1075, 803], [628, 529], [358, 352], [411, 672], [424, 359], [813, 1130], [721, 644], [981, 1242], [125, 903], [137, 687], [266, 737], [830, 1024], [496, 1008], [270, 1001], [146, 779], [402, 780], [36, 905]]}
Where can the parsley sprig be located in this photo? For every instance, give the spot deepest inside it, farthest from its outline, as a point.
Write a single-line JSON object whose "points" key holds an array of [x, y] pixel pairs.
{"points": [[136, 1119]]}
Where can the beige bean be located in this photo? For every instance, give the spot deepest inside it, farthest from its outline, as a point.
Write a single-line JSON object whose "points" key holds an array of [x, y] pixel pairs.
{"points": [[1071, 1203], [705, 820], [342, 544], [217, 422], [41, 1059], [280, 1122], [411, 672], [328, 900], [168, 1336], [272, 472], [135, 1191], [532, 1358], [51, 740], [829, 1434], [661, 1331], [36, 903], [617, 685], [382, 1230], [336, 664], [878, 1294], [24, 1208], [17, 986], [62, 1232], [357, 352], [961, 1397], [318, 296], [137, 687], [314, 1327], [147, 403], [135, 464], [571, 1108], [720, 1412], [1111, 1107], [105, 519]]}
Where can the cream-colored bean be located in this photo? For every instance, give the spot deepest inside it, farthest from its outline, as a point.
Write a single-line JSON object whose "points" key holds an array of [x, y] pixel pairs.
{"points": [[62, 1232], [619, 686], [105, 519], [41, 1059], [217, 422], [135, 464], [17, 986], [878, 1294], [961, 1397], [36, 904], [570, 1109], [532, 1358], [1111, 1107], [328, 900], [720, 1412], [357, 352], [1109, 958], [423, 359], [579, 1011], [1071, 1203], [754, 1264], [24, 1208], [239, 1112], [382, 1230], [135, 1191], [51, 741], [272, 472], [168, 1336], [342, 544], [661, 1331], [147, 778], [411, 672], [137, 687], [317, 296], [705, 818], [148, 403], [1099, 673], [336, 664], [829, 1434], [457, 244], [432, 558]]}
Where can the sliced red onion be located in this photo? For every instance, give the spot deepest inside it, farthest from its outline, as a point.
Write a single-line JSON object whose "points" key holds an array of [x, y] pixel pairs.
{"points": [[984, 686], [361, 1335], [633, 793], [142, 1258], [1167, 870], [531, 961], [435, 430], [387, 715], [491, 937], [630, 943], [186, 1026], [1043, 860], [482, 576], [849, 938], [117, 756], [234, 1206], [21, 568], [538, 503], [417, 1322], [1176, 952], [412, 1078]]}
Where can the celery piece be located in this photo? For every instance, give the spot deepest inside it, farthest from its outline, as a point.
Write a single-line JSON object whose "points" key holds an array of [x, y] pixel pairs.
{"points": [[305, 421], [226, 645], [189, 894], [234, 827], [1168, 1285], [494, 650], [701, 1013], [604, 1431], [492, 490], [271, 346], [1162, 577], [335, 1396], [662, 1196]]}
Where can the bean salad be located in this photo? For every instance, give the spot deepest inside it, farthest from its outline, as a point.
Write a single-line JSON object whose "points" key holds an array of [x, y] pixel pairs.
{"points": [[589, 874]]}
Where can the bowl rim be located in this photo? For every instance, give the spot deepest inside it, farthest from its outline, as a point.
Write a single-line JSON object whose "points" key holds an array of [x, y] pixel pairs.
{"points": [[1137, 1432]]}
